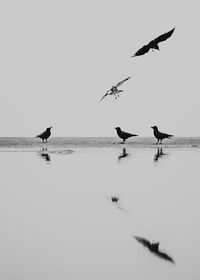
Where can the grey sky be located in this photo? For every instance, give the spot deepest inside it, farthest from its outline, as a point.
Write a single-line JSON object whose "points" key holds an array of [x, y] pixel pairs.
{"points": [[58, 58]]}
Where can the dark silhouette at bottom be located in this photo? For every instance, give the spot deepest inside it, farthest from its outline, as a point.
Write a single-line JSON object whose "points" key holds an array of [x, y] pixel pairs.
{"points": [[159, 154], [154, 248], [44, 154], [124, 154]]}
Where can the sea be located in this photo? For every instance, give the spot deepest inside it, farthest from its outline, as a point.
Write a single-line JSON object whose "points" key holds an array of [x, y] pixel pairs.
{"points": [[93, 208]]}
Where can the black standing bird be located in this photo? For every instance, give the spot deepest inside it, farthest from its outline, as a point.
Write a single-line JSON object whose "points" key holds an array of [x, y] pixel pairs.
{"points": [[154, 248], [154, 43], [160, 135], [124, 135], [45, 135]]}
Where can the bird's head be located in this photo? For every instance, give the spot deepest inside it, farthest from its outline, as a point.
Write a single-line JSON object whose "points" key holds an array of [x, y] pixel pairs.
{"points": [[118, 128], [50, 127], [154, 127]]}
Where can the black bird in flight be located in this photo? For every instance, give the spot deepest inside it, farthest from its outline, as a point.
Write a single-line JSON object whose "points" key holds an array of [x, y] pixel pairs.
{"points": [[154, 43], [154, 248], [160, 135], [114, 89], [124, 135], [114, 199], [45, 135]]}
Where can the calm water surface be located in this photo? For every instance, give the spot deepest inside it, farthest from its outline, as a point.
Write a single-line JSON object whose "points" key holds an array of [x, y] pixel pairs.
{"points": [[58, 220]]}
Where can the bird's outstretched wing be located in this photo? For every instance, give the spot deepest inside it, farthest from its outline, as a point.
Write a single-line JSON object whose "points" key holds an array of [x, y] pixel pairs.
{"points": [[107, 93], [144, 241], [121, 82], [164, 256], [142, 51], [164, 36]]}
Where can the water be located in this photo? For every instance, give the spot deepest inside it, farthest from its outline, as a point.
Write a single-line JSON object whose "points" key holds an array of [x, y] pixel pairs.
{"points": [[58, 220]]}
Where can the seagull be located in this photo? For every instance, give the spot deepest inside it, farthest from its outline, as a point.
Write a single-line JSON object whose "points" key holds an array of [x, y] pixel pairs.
{"points": [[160, 135], [154, 43], [124, 135], [114, 89], [45, 135], [154, 248]]}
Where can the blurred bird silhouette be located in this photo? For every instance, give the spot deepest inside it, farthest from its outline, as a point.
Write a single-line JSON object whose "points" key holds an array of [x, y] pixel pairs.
{"points": [[159, 154], [154, 248], [114, 89], [160, 135], [154, 43], [44, 154], [114, 199], [45, 135], [123, 155], [123, 135]]}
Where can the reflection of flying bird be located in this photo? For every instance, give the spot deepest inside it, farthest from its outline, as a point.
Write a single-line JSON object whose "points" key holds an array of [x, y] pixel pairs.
{"points": [[45, 135], [114, 89], [160, 135], [123, 155], [154, 43], [124, 135], [154, 248], [159, 154]]}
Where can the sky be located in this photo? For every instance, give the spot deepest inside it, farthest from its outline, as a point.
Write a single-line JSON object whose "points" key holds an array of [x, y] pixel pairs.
{"points": [[58, 58]]}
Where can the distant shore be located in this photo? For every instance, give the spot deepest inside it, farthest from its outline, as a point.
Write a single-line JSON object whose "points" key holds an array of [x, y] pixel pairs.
{"points": [[98, 142]]}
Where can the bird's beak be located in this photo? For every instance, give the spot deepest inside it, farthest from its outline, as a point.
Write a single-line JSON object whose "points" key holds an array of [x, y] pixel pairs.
{"points": [[152, 127]]}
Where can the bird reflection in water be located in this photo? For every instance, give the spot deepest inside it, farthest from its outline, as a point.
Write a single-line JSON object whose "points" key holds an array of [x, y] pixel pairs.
{"points": [[124, 154], [154, 248], [159, 154], [44, 154]]}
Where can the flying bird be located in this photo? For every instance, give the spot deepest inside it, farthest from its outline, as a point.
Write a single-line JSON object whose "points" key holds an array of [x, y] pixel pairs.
{"points": [[114, 89], [44, 154], [124, 135], [45, 135], [154, 248], [160, 135], [154, 43]]}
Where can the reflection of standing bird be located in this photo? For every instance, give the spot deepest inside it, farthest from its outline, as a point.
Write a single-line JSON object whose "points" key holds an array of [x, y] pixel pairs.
{"points": [[114, 89], [160, 135], [44, 154], [154, 43], [124, 135], [45, 135], [159, 154], [154, 248], [123, 155]]}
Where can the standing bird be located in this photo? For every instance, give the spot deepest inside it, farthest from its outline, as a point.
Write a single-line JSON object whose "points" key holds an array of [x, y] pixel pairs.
{"points": [[154, 43], [45, 135], [160, 135], [114, 89], [123, 135]]}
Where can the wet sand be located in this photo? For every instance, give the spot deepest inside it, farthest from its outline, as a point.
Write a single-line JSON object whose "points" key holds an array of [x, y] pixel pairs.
{"points": [[58, 220]]}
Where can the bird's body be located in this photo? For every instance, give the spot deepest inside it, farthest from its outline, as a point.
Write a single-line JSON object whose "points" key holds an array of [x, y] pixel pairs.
{"points": [[154, 43], [124, 135], [114, 89], [160, 135], [45, 135]]}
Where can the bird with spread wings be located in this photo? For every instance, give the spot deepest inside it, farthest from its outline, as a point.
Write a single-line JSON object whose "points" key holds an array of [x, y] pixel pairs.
{"points": [[154, 43], [114, 89]]}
